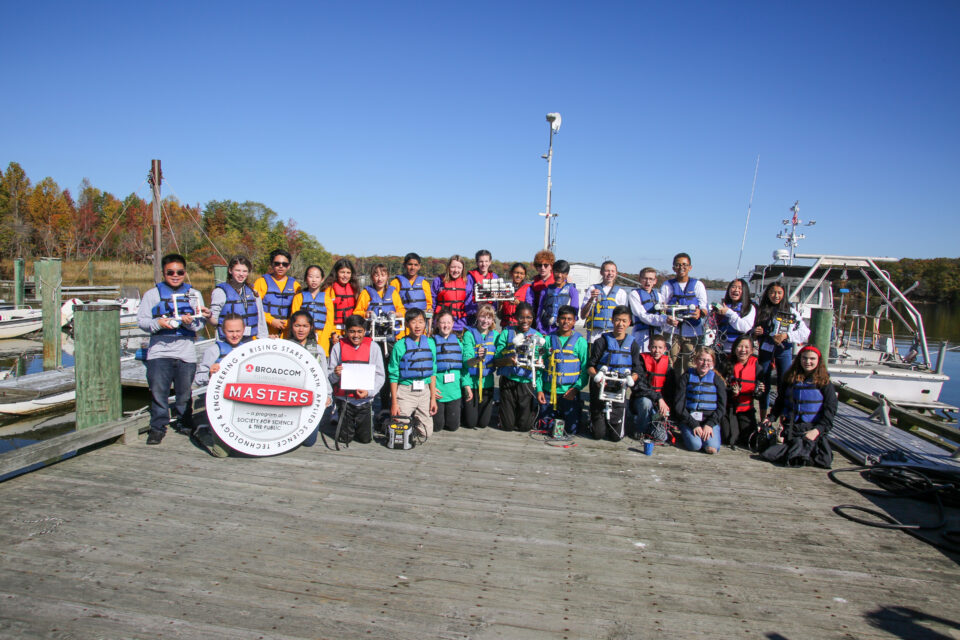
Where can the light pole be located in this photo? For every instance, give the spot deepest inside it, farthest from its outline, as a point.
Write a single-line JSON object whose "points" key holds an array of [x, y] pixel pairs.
{"points": [[554, 120]]}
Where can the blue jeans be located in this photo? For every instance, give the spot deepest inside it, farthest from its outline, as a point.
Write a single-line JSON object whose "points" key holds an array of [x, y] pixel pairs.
{"points": [[765, 371], [643, 408], [693, 443], [161, 373]]}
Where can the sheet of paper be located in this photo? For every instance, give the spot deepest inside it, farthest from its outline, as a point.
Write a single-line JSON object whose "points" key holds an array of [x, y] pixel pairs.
{"points": [[357, 376]]}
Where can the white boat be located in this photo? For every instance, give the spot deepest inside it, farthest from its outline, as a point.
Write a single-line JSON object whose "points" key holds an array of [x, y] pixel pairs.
{"points": [[19, 322]]}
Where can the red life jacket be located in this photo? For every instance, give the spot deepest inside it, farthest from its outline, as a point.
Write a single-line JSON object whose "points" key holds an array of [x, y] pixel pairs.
{"points": [[746, 375], [508, 310], [656, 370], [477, 277], [344, 302], [349, 353], [452, 295]]}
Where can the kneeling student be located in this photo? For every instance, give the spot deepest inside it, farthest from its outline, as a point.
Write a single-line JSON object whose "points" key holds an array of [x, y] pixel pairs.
{"points": [[412, 373], [478, 349], [701, 403], [565, 372], [355, 406], [650, 399], [619, 352], [518, 385]]}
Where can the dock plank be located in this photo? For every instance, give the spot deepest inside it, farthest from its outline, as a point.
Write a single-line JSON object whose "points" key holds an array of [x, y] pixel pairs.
{"points": [[477, 534]]}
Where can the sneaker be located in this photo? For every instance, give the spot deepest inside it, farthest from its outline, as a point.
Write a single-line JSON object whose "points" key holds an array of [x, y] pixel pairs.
{"points": [[154, 436]]}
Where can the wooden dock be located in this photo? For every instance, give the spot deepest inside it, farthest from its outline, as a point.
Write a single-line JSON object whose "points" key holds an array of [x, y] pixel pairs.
{"points": [[477, 534]]}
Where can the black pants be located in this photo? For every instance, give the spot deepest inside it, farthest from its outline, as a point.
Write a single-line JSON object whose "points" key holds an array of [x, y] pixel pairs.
{"points": [[614, 428], [737, 427], [448, 416], [477, 414], [356, 422], [518, 405]]}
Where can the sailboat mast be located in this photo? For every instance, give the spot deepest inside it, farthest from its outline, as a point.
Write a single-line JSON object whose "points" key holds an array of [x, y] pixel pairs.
{"points": [[155, 178]]}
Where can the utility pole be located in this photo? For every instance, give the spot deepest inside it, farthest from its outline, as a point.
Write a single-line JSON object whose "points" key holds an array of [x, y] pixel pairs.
{"points": [[155, 179]]}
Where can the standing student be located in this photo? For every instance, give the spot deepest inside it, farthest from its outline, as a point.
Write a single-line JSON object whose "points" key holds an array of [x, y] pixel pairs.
{"points": [[686, 331], [414, 289], [558, 293], [376, 300], [355, 406], [620, 353], [647, 321], [564, 371], [236, 296], [741, 418], [601, 300], [522, 292], [701, 403], [735, 315], [449, 291], [543, 277], [479, 348], [232, 326], [171, 356], [314, 301], [341, 290], [647, 400], [276, 289], [518, 385], [806, 407], [779, 327], [412, 371], [451, 373], [483, 260]]}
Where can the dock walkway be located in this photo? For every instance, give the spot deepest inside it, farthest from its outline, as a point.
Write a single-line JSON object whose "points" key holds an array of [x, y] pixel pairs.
{"points": [[474, 535]]}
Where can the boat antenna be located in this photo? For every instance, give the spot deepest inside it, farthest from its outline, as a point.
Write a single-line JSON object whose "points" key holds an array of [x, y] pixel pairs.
{"points": [[747, 223], [790, 235]]}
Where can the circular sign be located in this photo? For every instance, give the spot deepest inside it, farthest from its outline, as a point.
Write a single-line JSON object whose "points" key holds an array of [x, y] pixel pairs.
{"points": [[267, 397]]}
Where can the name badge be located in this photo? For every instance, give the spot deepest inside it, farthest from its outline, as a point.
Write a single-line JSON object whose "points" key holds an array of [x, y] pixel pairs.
{"points": [[418, 385], [766, 346], [449, 377], [697, 415], [247, 331]]}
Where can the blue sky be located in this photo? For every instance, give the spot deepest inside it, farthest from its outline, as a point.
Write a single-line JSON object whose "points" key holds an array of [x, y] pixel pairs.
{"points": [[395, 127]]}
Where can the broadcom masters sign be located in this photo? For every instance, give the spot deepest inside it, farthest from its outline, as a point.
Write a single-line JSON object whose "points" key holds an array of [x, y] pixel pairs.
{"points": [[267, 397]]}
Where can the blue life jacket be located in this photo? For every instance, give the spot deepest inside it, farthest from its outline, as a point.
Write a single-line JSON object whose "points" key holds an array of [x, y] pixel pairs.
{"points": [[701, 392], [276, 302], [488, 343], [617, 356], [412, 293], [726, 329], [803, 402], [417, 362], [649, 301], [449, 352], [165, 308], [225, 348], [316, 306], [511, 350], [381, 304], [565, 359], [553, 298], [602, 318], [687, 295], [244, 303]]}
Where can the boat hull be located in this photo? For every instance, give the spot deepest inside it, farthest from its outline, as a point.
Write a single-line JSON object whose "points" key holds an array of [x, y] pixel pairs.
{"points": [[906, 386]]}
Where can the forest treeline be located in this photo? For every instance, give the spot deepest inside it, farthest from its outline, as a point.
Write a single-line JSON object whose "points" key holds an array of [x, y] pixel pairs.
{"points": [[42, 219]]}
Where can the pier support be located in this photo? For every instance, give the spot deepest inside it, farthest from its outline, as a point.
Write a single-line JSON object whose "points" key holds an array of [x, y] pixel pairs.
{"points": [[18, 273], [821, 322], [96, 329], [48, 276], [219, 273]]}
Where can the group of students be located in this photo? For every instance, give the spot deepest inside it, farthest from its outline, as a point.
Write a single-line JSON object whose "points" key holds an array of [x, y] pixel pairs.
{"points": [[440, 370]]}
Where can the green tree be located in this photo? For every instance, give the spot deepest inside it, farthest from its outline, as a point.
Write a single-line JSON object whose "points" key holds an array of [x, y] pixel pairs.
{"points": [[15, 229]]}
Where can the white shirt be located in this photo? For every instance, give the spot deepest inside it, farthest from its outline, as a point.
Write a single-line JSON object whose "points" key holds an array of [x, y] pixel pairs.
{"points": [[654, 318], [587, 308]]}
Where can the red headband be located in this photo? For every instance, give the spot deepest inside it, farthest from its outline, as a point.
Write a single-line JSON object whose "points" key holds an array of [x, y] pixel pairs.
{"points": [[810, 347]]}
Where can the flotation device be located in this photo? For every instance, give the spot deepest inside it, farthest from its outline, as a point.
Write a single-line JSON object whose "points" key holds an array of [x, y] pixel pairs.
{"points": [[508, 310], [412, 293], [601, 318], [348, 354], [477, 277], [243, 302], [685, 295], [488, 343], [568, 366], [449, 352], [726, 329], [552, 299], [452, 295], [745, 374], [511, 350], [381, 304], [277, 301], [417, 362], [225, 348], [803, 402], [656, 370], [701, 391], [344, 302], [165, 308], [617, 356], [316, 306], [649, 301]]}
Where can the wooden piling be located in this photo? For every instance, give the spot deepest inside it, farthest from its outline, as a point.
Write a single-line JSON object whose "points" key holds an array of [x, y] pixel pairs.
{"points": [[96, 329], [48, 275], [90, 273], [18, 272], [821, 323], [219, 273]]}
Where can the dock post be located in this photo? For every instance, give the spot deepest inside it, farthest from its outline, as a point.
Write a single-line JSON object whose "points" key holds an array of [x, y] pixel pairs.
{"points": [[821, 323], [96, 329], [18, 271], [219, 273], [90, 273], [47, 273]]}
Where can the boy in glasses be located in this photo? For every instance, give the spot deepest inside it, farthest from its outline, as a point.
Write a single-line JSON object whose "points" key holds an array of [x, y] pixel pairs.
{"points": [[276, 290], [171, 358], [687, 327]]}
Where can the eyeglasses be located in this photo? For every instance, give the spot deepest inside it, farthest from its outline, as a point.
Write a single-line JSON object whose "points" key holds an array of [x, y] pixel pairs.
{"points": [[542, 265], [281, 264], [176, 273]]}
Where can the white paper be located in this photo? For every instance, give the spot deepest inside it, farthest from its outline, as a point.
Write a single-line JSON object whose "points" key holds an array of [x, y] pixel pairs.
{"points": [[357, 376]]}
